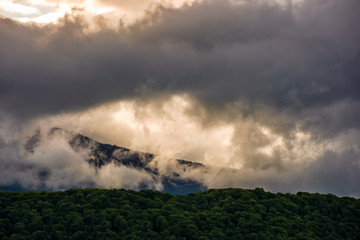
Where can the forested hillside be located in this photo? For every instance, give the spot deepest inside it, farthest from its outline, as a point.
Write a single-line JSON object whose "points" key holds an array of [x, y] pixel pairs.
{"points": [[145, 214]]}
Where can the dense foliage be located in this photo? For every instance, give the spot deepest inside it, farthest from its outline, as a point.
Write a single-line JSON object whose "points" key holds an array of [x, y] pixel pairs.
{"points": [[214, 214]]}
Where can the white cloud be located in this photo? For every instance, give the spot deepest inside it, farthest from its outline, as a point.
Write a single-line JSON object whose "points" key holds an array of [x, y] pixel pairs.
{"points": [[9, 6]]}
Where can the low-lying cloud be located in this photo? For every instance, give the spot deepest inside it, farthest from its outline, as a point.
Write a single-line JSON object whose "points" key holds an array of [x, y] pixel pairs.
{"points": [[54, 165], [239, 150]]}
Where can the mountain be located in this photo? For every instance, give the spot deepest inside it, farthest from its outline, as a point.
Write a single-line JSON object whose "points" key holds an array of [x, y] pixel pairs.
{"points": [[99, 155]]}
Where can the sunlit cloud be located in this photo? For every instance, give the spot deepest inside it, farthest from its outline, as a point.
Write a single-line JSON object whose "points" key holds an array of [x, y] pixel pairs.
{"points": [[169, 127], [240, 152], [11, 7], [48, 11]]}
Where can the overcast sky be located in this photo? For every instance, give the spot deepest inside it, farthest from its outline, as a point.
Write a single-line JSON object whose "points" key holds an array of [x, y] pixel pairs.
{"points": [[269, 88]]}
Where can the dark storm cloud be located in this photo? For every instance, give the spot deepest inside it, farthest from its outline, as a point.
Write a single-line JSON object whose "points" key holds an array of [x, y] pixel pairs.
{"points": [[60, 68], [208, 24], [335, 173], [220, 52], [327, 121]]}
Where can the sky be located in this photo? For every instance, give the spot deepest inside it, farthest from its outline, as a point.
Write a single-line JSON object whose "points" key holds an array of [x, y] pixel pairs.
{"points": [[267, 89]]}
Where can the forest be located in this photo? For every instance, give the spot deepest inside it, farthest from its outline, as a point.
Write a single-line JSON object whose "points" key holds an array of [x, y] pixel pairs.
{"points": [[146, 214]]}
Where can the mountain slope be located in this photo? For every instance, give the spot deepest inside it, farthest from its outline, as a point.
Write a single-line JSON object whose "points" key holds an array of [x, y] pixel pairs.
{"points": [[99, 155]]}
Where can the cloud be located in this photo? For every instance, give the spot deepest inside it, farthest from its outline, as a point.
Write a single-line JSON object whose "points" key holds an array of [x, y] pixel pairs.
{"points": [[54, 165], [239, 150], [112, 176], [50, 11], [18, 8], [270, 89], [266, 54]]}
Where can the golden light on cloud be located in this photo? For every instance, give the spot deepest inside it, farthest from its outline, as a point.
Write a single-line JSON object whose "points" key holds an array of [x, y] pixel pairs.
{"points": [[163, 127], [171, 128], [168, 130], [48, 11], [276, 142]]}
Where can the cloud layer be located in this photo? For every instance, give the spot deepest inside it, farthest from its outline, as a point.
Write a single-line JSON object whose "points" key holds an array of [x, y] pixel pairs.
{"points": [[270, 89]]}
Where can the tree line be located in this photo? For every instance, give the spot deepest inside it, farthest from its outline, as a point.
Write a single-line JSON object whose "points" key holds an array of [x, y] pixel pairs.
{"points": [[214, 214]]}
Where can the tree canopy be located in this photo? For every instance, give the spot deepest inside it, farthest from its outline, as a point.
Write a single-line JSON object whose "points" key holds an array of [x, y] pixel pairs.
{"points": [[146, 214]]}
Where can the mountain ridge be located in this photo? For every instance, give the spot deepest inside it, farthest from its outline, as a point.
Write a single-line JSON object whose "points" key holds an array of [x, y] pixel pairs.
{"points": [[101, 154]]}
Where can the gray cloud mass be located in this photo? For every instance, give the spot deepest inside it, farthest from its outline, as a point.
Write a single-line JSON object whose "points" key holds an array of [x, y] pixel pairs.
{"points": [[221, 52], [284, 77]]}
